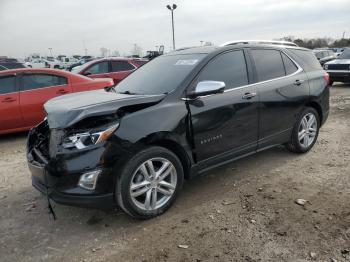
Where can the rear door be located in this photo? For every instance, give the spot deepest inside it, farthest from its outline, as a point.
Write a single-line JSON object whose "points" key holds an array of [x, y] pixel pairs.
{"points": [[10, 114], [283, 90], [120, 69], [98, 70], [225, 125], [35, 90]]}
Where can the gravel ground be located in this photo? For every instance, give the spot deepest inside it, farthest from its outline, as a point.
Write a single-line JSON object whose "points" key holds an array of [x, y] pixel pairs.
{"points": [[244, 211]]}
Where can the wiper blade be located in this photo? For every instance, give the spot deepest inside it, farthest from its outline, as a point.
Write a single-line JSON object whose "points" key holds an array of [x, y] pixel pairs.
{"points": [[127, 92], [110, 88]]}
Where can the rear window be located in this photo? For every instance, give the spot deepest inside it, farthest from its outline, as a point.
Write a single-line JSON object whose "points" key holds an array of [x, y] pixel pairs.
{"points": [[289, 65], [306, 59], [7, 84], [118, 66], [268, 63]]}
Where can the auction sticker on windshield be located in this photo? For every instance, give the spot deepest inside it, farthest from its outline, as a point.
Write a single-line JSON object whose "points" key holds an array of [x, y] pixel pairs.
{"points": [[187, 62]]}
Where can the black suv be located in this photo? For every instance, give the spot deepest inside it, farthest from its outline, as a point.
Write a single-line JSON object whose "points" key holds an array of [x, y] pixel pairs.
{"points": [[179, 115], [339, 69]]}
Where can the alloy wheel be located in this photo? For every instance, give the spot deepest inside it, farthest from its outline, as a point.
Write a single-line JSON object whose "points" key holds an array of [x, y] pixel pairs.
{"points": [[153, 184], [307, 130]]}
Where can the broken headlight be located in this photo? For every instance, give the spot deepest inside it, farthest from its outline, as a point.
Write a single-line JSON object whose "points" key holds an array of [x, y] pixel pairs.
{"points": [[85, 139]]}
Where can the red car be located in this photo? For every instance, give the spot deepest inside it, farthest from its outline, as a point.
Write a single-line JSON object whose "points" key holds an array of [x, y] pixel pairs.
{"points": [[24, 91], [113, 67]]}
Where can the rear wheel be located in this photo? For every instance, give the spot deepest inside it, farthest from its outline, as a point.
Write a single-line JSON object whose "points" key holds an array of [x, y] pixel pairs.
{"points": [[149, 182], [305, 131]]}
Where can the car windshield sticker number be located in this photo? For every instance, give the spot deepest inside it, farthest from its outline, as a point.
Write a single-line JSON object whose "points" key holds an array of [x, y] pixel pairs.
{"points": [[185, 62]]}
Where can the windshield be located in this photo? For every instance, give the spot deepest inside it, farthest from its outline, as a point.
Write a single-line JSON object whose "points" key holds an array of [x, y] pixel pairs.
{"points": [[345, 54], [159, 76]]}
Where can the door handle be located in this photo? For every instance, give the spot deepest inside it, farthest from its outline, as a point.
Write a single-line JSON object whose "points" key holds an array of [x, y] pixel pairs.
{"points": [[298, 82], [62, 91], [8, 100], [248, 95]]}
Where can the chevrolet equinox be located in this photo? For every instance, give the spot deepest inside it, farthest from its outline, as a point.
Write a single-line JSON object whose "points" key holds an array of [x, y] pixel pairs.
{"points": [[179, 115]]}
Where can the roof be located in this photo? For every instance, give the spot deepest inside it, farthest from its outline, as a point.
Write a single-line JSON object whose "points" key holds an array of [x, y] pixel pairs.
{"points": [[210, 49], [41, 70]]}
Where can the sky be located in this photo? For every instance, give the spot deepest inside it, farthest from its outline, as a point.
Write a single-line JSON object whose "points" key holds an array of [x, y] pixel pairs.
{"points": [[70, 26]]}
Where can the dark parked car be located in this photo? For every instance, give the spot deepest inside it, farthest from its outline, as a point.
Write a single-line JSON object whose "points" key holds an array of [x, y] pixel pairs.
{"points": [[10, 63], [339, 69], [179, 115], [324, 55]]}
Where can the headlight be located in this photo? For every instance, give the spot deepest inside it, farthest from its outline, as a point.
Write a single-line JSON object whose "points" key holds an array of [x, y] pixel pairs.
{"points": [[326, 67], [82, 140]]}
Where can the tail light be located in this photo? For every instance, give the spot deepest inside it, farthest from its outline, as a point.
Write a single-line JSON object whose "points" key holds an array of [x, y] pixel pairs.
{"points": [[326, 78]]}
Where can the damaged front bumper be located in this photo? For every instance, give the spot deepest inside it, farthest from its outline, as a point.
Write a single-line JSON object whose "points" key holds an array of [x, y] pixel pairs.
{"points": [[57, 174]]}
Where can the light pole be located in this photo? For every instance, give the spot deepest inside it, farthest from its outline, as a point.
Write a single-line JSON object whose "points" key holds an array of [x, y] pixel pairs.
{"points": [[172, 8], [50, 48]]}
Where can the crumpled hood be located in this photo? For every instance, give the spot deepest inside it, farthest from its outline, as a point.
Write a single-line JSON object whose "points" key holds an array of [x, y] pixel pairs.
{"points": [[64, 111], [339, 61]]}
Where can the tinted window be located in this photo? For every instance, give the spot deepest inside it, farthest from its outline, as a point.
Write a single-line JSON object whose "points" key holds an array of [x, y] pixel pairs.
{"points": [[229, 67], [34, 81], [7, 84], [306, 59], [12, 65], [289, 65], [121, 66], [268, 64], [161, 75], [98, 68]]}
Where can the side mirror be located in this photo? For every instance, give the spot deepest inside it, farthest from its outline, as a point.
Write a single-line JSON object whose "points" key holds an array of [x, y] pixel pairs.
{"points": [[87, 73], [207, 88]]}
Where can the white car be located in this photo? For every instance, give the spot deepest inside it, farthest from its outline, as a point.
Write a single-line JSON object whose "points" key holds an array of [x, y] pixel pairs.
{"points": [[43, 63]]}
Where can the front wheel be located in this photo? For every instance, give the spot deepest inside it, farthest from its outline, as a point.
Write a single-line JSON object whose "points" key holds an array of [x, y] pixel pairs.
{"points": [[305, 131], [149, 182]]}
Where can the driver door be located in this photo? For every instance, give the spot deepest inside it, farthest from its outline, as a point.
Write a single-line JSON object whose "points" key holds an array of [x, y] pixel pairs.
{"points": [[225, 125]]}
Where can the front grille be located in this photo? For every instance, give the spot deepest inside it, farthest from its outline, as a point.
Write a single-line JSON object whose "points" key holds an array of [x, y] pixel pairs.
{"points": [[338, 67]]}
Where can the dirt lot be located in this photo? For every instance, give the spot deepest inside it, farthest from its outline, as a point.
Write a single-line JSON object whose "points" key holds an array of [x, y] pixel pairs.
{"points": [[244, 211]]}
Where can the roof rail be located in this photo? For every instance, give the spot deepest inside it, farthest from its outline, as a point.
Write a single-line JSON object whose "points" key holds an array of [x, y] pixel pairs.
{"points": [[263, 42]]}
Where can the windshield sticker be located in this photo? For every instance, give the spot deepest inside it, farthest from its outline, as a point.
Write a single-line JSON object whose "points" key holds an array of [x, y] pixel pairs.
{"points": [[187, 62]]}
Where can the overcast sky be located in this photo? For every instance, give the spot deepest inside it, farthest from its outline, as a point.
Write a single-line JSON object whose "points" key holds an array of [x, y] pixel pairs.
{"points": [[28, 26]]}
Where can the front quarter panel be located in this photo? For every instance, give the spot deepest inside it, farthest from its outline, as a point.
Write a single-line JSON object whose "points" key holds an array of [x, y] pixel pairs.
{"points": [[167, 120]]}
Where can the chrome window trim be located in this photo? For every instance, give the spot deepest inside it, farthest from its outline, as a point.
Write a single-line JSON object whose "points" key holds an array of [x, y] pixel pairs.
{"points": [[299, 70]]}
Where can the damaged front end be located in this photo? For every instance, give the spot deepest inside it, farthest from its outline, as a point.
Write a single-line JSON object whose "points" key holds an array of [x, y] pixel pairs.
{"points": [[72, 153], [71, 168]]}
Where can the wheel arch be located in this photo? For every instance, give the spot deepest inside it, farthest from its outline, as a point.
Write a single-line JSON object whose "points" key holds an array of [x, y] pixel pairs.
{"points": [[173, 144], [317, 107]]}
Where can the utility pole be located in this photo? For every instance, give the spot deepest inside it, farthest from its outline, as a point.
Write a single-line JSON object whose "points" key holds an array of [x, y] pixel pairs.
{"points": [[172, 8]]}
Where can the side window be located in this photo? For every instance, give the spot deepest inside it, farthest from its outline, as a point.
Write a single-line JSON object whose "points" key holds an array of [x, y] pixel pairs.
{"points": [[229, 67], [268, 64], [99, 68], [289, 65], [7, 84], [118, 66], [35, 81]]}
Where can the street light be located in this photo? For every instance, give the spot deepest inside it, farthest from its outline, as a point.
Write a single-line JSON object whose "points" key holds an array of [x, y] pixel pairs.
{"points": [[172, 8]]}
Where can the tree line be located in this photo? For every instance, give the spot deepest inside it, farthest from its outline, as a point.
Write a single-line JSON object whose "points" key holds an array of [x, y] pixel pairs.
{"points": [[319, 42]]}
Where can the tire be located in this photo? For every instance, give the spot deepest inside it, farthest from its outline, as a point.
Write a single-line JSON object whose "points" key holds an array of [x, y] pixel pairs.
{"points": [[137, 173], [297, 144], [56, 67]]}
